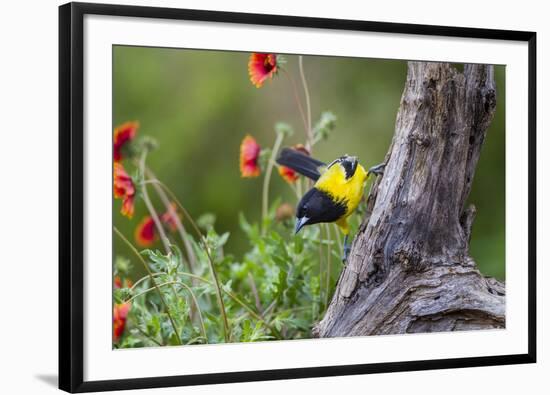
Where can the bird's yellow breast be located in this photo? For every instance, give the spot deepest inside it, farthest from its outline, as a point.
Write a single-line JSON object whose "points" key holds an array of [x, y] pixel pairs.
{"points": [[346, 190]]}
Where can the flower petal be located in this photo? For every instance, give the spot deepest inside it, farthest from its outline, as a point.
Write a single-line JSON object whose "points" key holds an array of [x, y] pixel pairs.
{"points": [[124, 189], [145, 233], [288, 174], [250, 153], [261, 66], [120, 314], [123, 134]]}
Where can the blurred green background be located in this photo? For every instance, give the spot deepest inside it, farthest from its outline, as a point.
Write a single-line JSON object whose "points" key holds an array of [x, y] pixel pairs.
{"points": [[200, 104]]}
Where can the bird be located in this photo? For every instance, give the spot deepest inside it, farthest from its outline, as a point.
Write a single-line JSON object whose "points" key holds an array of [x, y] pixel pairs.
{"points": [[336, 193]]}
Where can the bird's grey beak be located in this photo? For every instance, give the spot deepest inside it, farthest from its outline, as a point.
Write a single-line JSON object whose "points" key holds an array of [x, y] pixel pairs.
{"points": [[300, 222]]}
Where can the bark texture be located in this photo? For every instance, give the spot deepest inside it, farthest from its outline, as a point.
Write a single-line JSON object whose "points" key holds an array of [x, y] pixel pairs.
{"points": [[409, 269]]}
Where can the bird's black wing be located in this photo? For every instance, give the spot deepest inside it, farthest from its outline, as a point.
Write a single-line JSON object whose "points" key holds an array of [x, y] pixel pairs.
{"points": [[300, 163]]}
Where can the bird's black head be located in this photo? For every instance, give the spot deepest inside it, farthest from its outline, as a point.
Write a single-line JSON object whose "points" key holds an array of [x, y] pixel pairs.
{"points": [[304, 216], [317, 206]]}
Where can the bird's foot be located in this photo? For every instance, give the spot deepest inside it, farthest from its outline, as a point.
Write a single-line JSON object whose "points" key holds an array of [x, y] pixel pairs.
{"points": [[347, 249], [378, 169]]}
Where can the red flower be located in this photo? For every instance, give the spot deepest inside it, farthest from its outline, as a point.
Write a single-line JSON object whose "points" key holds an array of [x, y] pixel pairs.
{"points": [[250, 153], [118, 282], [120, 314], [123, 133], [124, 189], [287, 173], [261, 66], [146, 232], [169, 217]]}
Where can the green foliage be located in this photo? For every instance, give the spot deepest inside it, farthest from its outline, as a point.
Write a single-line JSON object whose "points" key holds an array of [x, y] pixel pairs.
{"points": [[273, 292]]}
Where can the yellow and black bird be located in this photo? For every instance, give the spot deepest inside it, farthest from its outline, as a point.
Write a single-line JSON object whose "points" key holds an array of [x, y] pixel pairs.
{"points": [[337, 191]]}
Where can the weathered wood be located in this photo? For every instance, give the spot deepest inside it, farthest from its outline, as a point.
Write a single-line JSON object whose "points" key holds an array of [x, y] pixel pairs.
{"points": [[409, 268]]}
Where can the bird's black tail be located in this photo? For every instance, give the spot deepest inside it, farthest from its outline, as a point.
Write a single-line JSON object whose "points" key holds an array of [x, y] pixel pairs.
{"points": [[300, 163]]}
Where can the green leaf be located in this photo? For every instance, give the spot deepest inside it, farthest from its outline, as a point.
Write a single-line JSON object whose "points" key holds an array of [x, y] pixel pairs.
{"points": [[282, 284], [121, 294], [122, 266], [284, 128], [173, 340], [222, 239], [252, 231], [245, 226], [324, 126], [175, 259], [252, 333], [153, 326], [206, 221], [298, 244], [159, 262]]}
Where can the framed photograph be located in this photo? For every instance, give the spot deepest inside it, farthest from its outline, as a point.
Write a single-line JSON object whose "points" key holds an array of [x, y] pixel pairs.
{"points": [[253, 197]]}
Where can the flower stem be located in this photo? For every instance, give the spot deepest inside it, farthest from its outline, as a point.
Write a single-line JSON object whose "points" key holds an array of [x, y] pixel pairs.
{"points": [[267, 178], [297, 98], [196, 302], [309, 144], [191, 257], [152, 281], [294, 188], [299, 188], [151, 208], [172, 283], [144, 334], [254, 291], [210, 260], [230, 294]]}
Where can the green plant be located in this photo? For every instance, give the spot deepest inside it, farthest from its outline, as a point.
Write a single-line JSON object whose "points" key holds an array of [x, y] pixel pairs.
{"points": [[195, 291]]}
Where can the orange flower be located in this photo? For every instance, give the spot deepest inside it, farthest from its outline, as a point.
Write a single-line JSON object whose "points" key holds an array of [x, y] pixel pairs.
{"points": [[145, 232], [287, 173], [118, 282], [261, 66], [124, 189], [123, 133], [250, 153], [120, 314]]}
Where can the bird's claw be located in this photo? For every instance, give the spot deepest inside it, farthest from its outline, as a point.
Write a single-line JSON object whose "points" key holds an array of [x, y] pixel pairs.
{"points": [[378, 169]]}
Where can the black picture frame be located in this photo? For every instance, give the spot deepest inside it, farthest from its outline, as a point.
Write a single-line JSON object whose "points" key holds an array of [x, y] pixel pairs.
{"points": [[71, 198]]}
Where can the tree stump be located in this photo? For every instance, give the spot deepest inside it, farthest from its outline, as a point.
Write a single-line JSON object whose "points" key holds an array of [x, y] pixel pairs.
{"points": [[409, 269]]}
